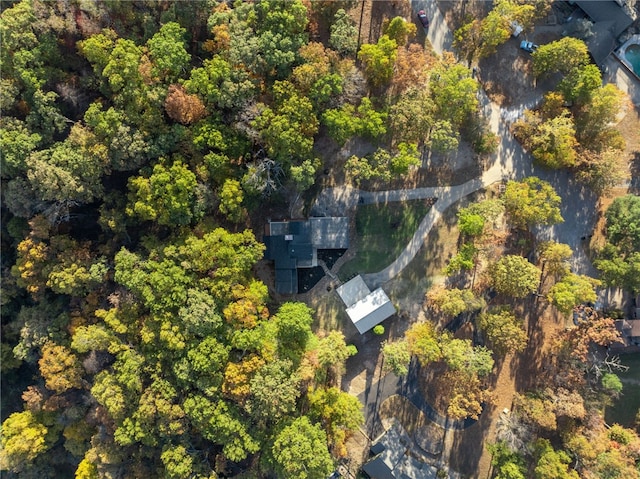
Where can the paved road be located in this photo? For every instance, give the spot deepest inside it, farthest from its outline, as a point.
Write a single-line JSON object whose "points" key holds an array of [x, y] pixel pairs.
{"points": [[390, 385]]}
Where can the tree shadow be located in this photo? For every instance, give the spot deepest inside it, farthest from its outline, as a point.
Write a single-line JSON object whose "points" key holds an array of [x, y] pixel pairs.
{"points": [[468, 444], [525, 366]]}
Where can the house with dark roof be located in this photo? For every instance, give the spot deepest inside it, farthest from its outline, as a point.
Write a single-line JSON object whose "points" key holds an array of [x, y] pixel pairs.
{"points": [[292, 245], [629, 331], [393, 458], [610, 18]]}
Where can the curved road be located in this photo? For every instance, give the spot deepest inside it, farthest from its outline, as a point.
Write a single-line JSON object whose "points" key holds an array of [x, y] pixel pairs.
{"points": [[390, 385]]}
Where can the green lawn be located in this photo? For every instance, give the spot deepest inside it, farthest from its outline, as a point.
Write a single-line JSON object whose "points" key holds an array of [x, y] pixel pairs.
{"points": [[383, 230], [624, 409]]}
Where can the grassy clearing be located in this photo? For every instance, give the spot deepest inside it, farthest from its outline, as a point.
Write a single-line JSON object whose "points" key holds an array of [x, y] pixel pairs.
{"points": [[426, 268], [383, 230], [624, 409]]}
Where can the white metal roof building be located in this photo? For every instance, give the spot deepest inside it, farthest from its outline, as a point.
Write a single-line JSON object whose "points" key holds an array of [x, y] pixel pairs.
{"points": [[366, 309]]}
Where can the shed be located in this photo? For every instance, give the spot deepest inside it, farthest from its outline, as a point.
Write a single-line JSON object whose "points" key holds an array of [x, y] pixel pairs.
{"points": [[366, 309], [371, 310], [353, 291]]}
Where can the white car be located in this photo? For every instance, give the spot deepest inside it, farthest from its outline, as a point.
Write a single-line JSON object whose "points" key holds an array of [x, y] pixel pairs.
{"points": [[516, 28]]}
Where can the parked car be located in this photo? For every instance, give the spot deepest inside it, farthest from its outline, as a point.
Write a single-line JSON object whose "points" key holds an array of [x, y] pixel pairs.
{"points": [[528, 46], [422, 16]]}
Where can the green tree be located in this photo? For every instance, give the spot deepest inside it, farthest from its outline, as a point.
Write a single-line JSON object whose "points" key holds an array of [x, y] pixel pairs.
{"points": [[178, 463], [16, 143], [220, 85], [423, 343], [532, 202], [97, 49], [461, 356], [454, 92], [281, 30], [470, 224], [396, 357], [375, 166], [293, 324], [303, 175], [514, 276], [504, 331], [623, 223], [332, 353], [168, 196], [411, 116], [482, 37], [274, 392], [618, 270], [594, 119], [24, 438], [221, 423], [554, 257], [300, 451], [168, 54], [571, 291], [467, 39], [560, 56], [231, 197], [443, 137], [612, 384], [348, 121], [325, 89], [454, 301], [506, 463], [553, 143], [156, 417], [339, 413], [465, 259], [619, 260], [66, 172], [344, 34], [580, 84], [287, 130], [342, 123], [552, 464], [371, 122], [94, 337], [400, 30], [406, 157], [495, 29], [123, 76], [378, 60]]}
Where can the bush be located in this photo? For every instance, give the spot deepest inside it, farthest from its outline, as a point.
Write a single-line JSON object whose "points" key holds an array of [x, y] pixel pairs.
{"points": [[379, 330]]}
